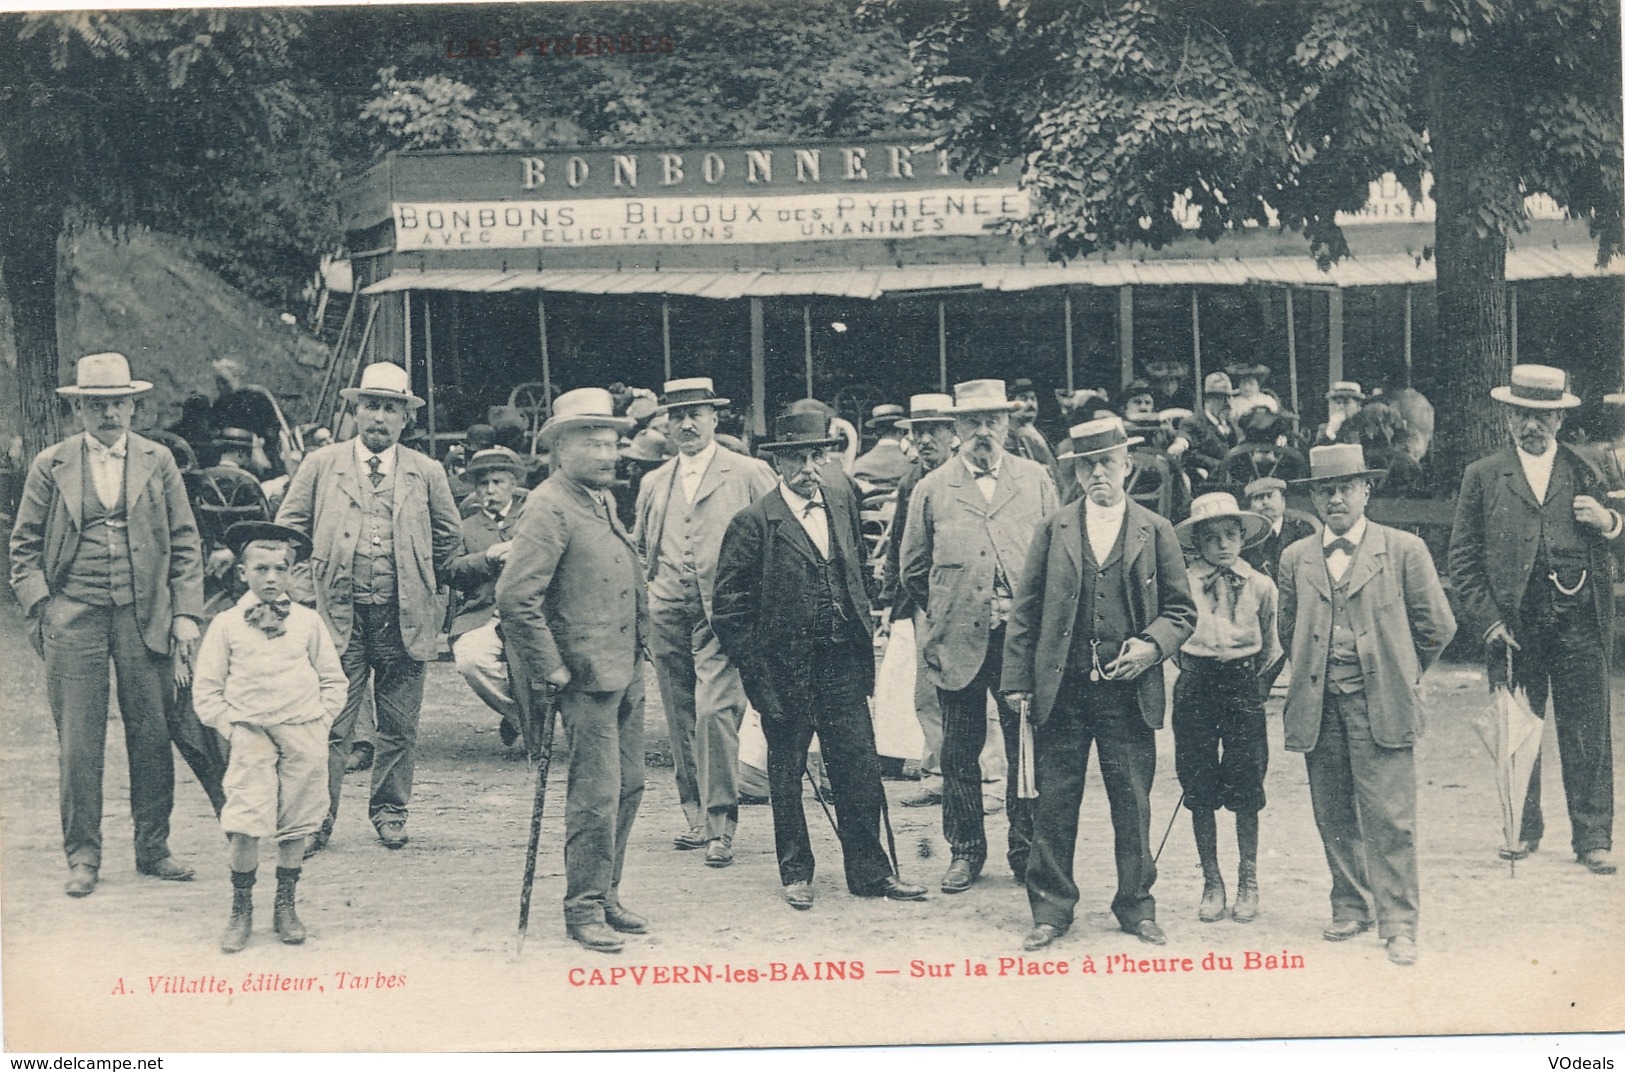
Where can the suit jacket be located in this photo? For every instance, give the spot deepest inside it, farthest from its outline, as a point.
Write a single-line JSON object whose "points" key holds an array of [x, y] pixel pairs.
{"points": [[473, 577], [1266, 556], [1157, 596], [952, 540], [883, 465], [1208, 446], [165, 552], [324, 500], [767, 576], [1497, 532], [1401, 621], [731, 482], [572, 593], [892, 592]]}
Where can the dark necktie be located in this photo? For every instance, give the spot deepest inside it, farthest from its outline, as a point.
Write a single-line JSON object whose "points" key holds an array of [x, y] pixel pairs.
{"points": [[1339, 544], [268, 618], [978, 474], [813, 504], [372, 471], [1224, 586]]}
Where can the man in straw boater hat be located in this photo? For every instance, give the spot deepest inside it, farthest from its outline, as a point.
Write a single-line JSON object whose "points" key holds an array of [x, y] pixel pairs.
{"points": [[385, 529], [1532, 561], [969, 524], [683, 509], [1103, 600], [574, 612], [791, 609], [886, 463], [106, 562], [488, 527], [1362, 616]]}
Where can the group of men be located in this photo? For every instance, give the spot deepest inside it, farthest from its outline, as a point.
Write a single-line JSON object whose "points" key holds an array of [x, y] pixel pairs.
{"points": [[742, 580]]}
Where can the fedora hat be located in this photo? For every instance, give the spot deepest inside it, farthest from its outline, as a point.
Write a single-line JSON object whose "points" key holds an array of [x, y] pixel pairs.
{"points": [[1346, 389], [1536, 387], [884, 415], [1217, 383], [982, 396], [384, 379], [692, 391], [1215, 506], [495, 459], [928, 409], [244, 533], [803, 430], [1241, 368], [1097, 437], [104, 376], [585, 407], [1339, 461]]}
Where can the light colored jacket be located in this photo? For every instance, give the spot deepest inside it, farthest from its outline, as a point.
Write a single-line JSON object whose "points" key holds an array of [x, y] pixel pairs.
{"points": [[1401, 621], [951, 542], [165, 552], [324, 501], [731, 483]]}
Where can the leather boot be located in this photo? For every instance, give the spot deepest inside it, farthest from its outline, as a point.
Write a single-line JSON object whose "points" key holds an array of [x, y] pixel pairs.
{"points": [[241, 924], [1207, 850], [1245, 909], [284, 918]]}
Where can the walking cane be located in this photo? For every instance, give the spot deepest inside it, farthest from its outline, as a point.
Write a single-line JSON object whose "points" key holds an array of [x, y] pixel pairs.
{"points": [[1170, 829], [539, 745], [885, 820]]}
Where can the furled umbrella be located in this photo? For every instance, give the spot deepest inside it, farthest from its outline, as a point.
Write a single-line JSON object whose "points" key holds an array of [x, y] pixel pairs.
{"points": [[1511, 731]]}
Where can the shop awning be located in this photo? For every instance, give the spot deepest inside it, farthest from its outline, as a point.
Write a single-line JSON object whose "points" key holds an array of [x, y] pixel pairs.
{"points": [[1371, 271]]}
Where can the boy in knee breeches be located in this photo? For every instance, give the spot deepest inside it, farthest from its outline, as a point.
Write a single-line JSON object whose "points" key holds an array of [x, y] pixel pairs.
{"points": [[268, 679], [1221, 749]]}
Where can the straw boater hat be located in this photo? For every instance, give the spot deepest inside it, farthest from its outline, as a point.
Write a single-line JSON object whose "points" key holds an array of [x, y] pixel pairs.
{"points": [[1097, 437], [805, 430], [1022, 386], [982, 396], [1536, 387], [495, 459], [1340, 461], [384, 379], [885, 415], [647, 446], [1346, 389], [1216, 506], [1263, 484], [585, 407], [1217, 383], [693, 391], [928, 409], [244, 533], [234, 439], [104, 376]]}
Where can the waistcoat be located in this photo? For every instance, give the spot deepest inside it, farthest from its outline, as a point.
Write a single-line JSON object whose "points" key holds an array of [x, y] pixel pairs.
{"points": [[373, 572], [101, 573], [1343, 673], [677, 578], [1102, 610]]}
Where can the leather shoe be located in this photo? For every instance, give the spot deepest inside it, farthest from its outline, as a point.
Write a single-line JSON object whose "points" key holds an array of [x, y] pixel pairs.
{"points": [[168, 870], [1402, 949], [1519, 851], [1597, 861], [1341, 930], [360, 757], [81, 881], [508, 732], [1018, 871], [392, 832], [596, 937], [721, 852], [624, 920], [693, 838], [895, 889], [1148, 932], [960, 875], [1041, 935], [922, 799], [318, 842], [799, 895]]}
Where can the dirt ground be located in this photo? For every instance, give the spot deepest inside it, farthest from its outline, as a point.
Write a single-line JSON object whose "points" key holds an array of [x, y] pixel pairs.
{"points": [[429, 931]]}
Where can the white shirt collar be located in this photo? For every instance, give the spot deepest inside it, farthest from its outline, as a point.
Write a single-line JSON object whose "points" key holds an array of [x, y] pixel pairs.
{"points": [[972, 468], [798, 503], [1536, 464], [1098, 514], [1275, 526], [699, 461], [1354, 535], [386, 459], [119, 448]]}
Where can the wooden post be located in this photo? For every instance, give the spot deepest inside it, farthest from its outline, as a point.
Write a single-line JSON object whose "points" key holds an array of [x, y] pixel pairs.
{"points": [[942, 347], [665, 332], [1196, 339], [1066, 301], [1125, 332], [1408, 366], [406, 351], [806, 337], [547, 362], [428, 368], [1334, 330], [758, 370], [1292, 353], [1512, 309]]}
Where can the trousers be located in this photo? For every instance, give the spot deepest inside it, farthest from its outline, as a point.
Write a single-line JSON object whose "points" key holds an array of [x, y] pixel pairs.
{"points": [[479, 657], [705, 704], [376, 659], [604, 731], [79, 642], [964, 733], [1364, 799]]}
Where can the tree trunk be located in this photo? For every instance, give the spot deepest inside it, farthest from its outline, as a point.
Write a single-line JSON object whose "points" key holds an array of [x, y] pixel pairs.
{"points": [[30, 279]]}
